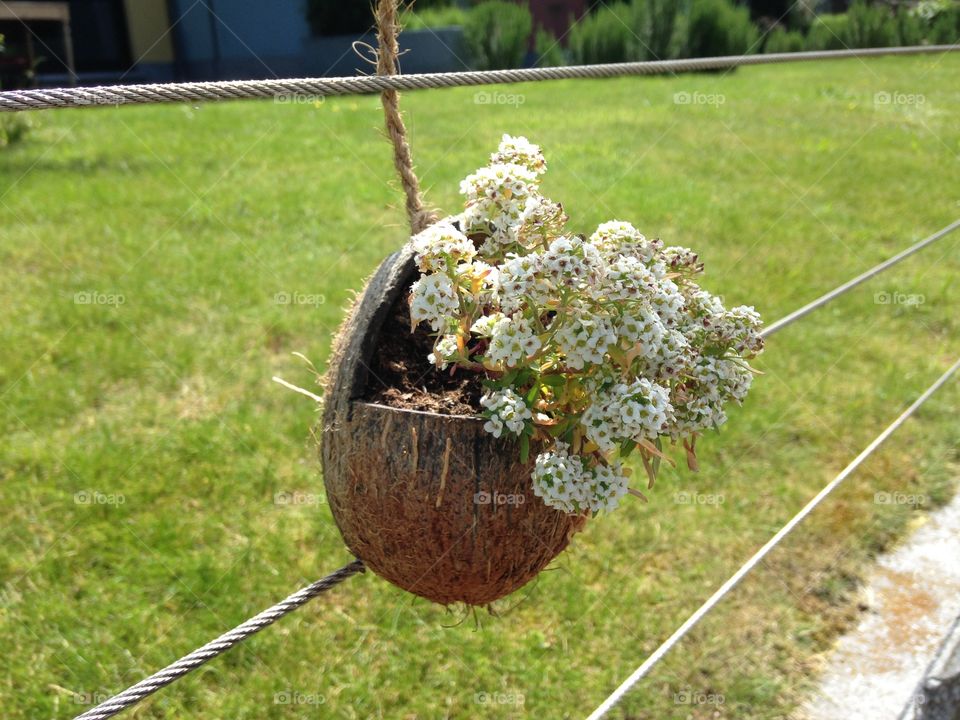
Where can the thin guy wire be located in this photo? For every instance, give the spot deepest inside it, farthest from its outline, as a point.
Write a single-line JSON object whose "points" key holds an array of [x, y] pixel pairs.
{"points": [[20, 100], [863, 277], [617, 695], [212, 649]]}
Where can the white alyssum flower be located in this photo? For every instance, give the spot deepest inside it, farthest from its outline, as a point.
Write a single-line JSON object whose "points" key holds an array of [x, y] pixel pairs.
{"points": [[520, 278], [605, 486], [615, 238], [710, 383], [499, 198], [697, 414], [539, 218], [501, 183], [505, 409], [703, 308], [560, 479], [739, 382], [668, 301], [679, 259], [645, 409], [444, 352], [512, 341], [670, 357], [640, 410], [483, 326], [441, 243], [735, 378], [708, 323], [741, 329], [585, 339], [642, 329], [627, 278], [573, 263], [519, 151], [480, 278], [433, 299]]}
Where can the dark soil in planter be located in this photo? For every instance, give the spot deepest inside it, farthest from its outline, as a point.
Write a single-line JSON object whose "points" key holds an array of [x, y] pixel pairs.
{"points": [[402, 377]]}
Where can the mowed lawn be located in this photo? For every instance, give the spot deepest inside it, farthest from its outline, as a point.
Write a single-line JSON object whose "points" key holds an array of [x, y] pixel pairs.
{"points": [[159, 264]]}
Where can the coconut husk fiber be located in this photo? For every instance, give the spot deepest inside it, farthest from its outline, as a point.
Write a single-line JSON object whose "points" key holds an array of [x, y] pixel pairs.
{"points": [[432, 503]]}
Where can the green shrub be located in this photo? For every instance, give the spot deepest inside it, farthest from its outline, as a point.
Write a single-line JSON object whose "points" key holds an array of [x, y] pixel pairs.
{"points": [[680, 33], [783, 41], [622, 32], [496, 34], [435, 17], [13, 128], [827, 33], [656, 24], [910, 30], [869, 26], [929, 10], [718, 27], [548, 50], [800, 16], [605, 36], [945, 29]]}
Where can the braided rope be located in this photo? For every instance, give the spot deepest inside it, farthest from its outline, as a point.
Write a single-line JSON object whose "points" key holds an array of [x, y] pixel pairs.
{"points": [[198, 657], [387, 30], [20, 100]]}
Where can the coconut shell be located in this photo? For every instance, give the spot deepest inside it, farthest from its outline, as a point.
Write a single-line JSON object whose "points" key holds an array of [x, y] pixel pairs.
{"points": [[433, 503]]}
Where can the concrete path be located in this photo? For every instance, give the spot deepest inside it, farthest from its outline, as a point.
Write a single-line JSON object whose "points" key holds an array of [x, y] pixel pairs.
{"points": [[914, 600]]}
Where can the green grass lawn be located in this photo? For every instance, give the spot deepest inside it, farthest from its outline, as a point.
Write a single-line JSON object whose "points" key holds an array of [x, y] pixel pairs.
{"points": [[185, 226]]}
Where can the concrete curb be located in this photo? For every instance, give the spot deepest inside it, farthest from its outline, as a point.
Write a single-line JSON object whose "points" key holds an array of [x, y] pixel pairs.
{"points": [[902, 661], [940, 689]]}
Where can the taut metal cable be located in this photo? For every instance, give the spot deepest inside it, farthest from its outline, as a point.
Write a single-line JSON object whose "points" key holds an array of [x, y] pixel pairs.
{"points": [[750, 564], [863, 277], [212, 649], [20, 100]]}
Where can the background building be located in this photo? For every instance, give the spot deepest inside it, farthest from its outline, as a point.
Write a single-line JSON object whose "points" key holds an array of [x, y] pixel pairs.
{"points": [[165, 40]]}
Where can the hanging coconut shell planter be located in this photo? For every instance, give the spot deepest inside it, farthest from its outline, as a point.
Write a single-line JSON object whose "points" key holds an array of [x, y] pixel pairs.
{"points": [[492, 377], [431, 502]]}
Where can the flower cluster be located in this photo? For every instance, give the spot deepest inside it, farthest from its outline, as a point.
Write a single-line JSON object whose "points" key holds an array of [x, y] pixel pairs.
{"points": [[640, 411], [505, 409], [566, 482], [590, 348]]}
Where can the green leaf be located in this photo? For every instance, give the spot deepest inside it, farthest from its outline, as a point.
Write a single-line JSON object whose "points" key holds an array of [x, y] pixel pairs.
{"points": [[556, 430], [524, 447], [553, 381], [533, 394]]}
